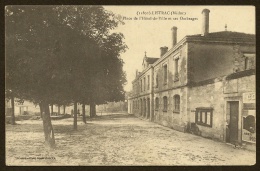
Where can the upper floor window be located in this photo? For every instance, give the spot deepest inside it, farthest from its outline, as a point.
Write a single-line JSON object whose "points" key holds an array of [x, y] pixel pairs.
{"points": [[141, 86], [156, 80], [246, 63], [165, 72], [249, 61], [203, 116], [165, 103], [144, 83], [148, 82], [156, 103], [176, 71], [176, 103]]}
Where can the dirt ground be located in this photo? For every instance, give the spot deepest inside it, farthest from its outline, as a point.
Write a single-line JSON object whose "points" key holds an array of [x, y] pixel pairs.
{"points": [[117, 139]]}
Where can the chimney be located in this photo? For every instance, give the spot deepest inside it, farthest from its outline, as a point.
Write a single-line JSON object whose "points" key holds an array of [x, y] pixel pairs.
{"points": [[163, 50], [174, 36], [205, 22]]}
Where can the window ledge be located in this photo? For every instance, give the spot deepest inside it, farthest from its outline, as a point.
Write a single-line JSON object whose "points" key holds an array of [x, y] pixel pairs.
{"points": [[203, 124], [177, 112], [164, 110]]}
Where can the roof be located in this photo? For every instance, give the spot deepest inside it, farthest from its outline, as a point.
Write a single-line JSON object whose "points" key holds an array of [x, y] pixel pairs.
{"points": [[151, 60], [226, 34]]}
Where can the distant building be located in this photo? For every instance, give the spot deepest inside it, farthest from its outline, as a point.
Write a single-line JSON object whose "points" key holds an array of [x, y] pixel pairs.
{"points": [[204, 84], [21, 108], [120, 106]]}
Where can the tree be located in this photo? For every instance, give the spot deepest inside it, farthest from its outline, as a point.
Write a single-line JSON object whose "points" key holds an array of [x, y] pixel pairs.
{"points": [[99, 81], [31, 59], [61, 55], [83, 113]]}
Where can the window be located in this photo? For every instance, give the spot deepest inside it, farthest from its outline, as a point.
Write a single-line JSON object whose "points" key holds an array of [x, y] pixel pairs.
{"points": [[176, 103], [141, 86], [156, 103], [203, 116], [246, 63], [249, 61], [156, 81], [144, 83], [148, 82], [165, 74], [165, 103], [176, 72]]}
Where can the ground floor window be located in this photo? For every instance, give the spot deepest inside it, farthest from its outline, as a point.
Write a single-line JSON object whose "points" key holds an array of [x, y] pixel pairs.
{"points": [[156, 103], [176, 105], [203, 116], [165, 103]]}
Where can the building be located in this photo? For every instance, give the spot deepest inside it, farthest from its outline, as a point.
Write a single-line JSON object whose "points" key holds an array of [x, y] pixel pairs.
{"points": [[21, 108], [204, 84]]}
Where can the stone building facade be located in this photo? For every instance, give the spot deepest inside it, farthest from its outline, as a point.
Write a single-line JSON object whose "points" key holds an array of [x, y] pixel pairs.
{"points": [[204, 84]]}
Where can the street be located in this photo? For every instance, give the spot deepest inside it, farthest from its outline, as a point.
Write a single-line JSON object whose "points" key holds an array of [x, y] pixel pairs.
{"points": [[116, 139]]}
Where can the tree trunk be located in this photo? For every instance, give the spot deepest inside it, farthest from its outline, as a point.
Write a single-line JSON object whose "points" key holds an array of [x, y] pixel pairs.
{"points": [[40, 109], [12, 113], [64, 109], [51, 109], [58, 109], [92, 110], [47, 126], [83, 113], [75, 115]]}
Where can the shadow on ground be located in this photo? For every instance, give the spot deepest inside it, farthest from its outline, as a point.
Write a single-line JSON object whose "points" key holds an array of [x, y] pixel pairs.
{"points": [[65, 125]]}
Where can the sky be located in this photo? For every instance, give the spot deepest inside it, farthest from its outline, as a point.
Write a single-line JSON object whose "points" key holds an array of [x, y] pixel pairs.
{"points": [[148, 35]]}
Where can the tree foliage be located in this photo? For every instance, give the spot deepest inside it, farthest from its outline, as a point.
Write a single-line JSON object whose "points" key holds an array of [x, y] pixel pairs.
{"points": [[63, 55]]}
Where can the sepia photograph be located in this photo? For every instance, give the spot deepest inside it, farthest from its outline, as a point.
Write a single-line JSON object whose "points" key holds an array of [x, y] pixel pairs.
{"points": [[129, 85]]}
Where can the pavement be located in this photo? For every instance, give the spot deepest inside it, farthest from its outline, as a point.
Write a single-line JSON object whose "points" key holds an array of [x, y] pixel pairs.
{"points": [[116, 139]]}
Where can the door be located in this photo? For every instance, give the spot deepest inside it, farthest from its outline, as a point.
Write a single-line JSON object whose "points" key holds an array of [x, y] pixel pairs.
{"points": [[233, 125]]}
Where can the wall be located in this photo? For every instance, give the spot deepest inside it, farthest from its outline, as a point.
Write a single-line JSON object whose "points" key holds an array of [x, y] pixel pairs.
{"points": [[216, 95], [180, 53], [172, 119], [211, 60]]}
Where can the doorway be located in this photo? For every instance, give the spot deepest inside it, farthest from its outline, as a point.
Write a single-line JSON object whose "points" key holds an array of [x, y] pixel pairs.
{"points": [[233, 123]]}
